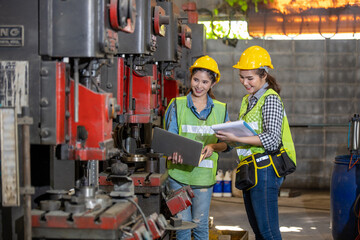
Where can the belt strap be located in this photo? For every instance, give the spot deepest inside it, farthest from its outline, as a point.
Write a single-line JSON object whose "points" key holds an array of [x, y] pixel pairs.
{"points": [[260, 159]]}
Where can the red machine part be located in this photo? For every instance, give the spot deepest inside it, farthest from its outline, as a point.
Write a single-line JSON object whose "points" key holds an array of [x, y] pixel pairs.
{"points": [[120, 80], [185, 36], [180, 200], [171, 89], [146, 180], [95, 116], [139, 179], [145, 98], [160, 20], [139, 232], [110, 219], [112, 41], [156, 223], [60, 103], [117, 8], [156, 233], [103, 180], [190, 9]]}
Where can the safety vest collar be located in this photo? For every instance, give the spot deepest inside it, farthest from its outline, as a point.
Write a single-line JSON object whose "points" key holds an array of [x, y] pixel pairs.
{"points": [[190, 103]]}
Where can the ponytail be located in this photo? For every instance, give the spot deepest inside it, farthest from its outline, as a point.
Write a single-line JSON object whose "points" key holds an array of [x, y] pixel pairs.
{"points": [[270, 80], [211, 94]]}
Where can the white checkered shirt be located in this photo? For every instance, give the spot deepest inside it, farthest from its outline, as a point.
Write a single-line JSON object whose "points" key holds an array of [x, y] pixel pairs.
{"points": [[272, 112]]}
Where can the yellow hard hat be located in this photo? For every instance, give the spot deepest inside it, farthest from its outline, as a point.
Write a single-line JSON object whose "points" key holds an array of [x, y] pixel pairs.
{"points": [[207, 63], [253, 58]]}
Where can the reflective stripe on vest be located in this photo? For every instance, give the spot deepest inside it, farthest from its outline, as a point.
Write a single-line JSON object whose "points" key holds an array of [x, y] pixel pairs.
{"points": [[197, 129]]}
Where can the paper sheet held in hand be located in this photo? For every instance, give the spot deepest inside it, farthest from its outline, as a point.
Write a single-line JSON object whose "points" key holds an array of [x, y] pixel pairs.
{"points": [[240, 128]]}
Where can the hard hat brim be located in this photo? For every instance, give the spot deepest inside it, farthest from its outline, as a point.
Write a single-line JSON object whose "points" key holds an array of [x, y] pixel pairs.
{"points": [[237, 67]]}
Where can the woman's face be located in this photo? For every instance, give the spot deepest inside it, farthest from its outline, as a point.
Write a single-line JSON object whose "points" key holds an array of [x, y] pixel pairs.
{"points": [[200, 83], [251, 81]]}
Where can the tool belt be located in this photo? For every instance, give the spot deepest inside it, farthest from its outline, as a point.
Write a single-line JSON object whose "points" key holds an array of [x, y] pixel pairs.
{"points": [[282, 163], [246, 172]]}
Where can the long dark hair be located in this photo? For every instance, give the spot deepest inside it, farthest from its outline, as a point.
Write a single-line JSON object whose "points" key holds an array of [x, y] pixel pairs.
{"points": [[269, 79], [211, 75]]}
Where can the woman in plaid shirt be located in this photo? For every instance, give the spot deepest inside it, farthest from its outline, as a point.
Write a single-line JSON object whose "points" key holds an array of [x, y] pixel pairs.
{"points": [[263, 110]]}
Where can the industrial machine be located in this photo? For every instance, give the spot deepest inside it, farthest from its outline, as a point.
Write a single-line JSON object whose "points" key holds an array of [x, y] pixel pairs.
{"points": [[82, 83]]}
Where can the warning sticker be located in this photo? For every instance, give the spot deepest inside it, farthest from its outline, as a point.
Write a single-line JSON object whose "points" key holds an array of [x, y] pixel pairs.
{"points": [[14, 84]]}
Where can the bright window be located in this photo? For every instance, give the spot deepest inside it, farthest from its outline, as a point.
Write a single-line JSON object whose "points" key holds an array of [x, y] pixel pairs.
{"points": [[239, 30]]}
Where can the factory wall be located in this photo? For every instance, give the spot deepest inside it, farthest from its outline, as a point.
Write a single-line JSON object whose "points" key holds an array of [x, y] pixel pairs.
{"points": [[320, 82]]}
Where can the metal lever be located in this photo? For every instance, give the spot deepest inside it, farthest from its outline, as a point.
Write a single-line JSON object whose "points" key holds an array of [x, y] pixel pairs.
{"points": [[147, 178]]}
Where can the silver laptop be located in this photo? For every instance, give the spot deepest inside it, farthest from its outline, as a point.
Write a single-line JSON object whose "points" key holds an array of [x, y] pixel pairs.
{"points": [[167, 142]]}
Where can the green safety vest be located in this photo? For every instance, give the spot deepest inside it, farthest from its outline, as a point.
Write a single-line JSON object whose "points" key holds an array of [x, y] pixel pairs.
{"points": [[255, 120], [200, 130]]}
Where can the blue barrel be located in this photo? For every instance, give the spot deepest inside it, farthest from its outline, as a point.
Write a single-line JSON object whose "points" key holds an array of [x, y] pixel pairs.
{"points": [[344, 189]]}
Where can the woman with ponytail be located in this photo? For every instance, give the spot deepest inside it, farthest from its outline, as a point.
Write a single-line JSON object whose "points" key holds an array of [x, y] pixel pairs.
{"points": [[262, 109]]}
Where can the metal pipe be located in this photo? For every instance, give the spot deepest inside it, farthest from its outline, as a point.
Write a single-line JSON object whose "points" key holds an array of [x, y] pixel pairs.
{"points": [[93, 173], [27, 182], [354, 134], [355, 139], [131, 83], [76, 89], [162, 82]]}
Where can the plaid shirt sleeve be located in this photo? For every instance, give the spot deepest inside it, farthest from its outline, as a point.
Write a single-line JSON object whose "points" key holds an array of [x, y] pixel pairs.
{"points": [[272, 121]]}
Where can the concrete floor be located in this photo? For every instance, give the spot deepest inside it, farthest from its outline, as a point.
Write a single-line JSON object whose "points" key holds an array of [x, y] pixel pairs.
{"points": [[307, 215]]}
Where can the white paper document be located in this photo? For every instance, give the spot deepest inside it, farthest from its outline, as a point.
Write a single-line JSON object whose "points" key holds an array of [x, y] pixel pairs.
{"points": [[240, 128]]}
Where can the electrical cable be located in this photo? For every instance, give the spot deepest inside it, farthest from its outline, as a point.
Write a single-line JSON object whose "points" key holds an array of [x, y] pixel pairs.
{"points": [[265, 24], [336, 31], [142, 214], [350, 162], [284, 26], [357, 159]]}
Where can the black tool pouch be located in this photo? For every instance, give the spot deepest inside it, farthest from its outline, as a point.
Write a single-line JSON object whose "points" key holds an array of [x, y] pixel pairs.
{"points": [[282, 163], [246, 172], [245, 175]]}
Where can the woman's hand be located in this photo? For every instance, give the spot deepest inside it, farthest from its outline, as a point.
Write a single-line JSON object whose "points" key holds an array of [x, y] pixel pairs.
{"points": [[207, 151], [176, 158], [226, 136], [231, 139]]}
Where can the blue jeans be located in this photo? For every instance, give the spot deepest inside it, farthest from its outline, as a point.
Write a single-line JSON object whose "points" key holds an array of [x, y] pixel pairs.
{"points": [[198, 212], [261, 204]]}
